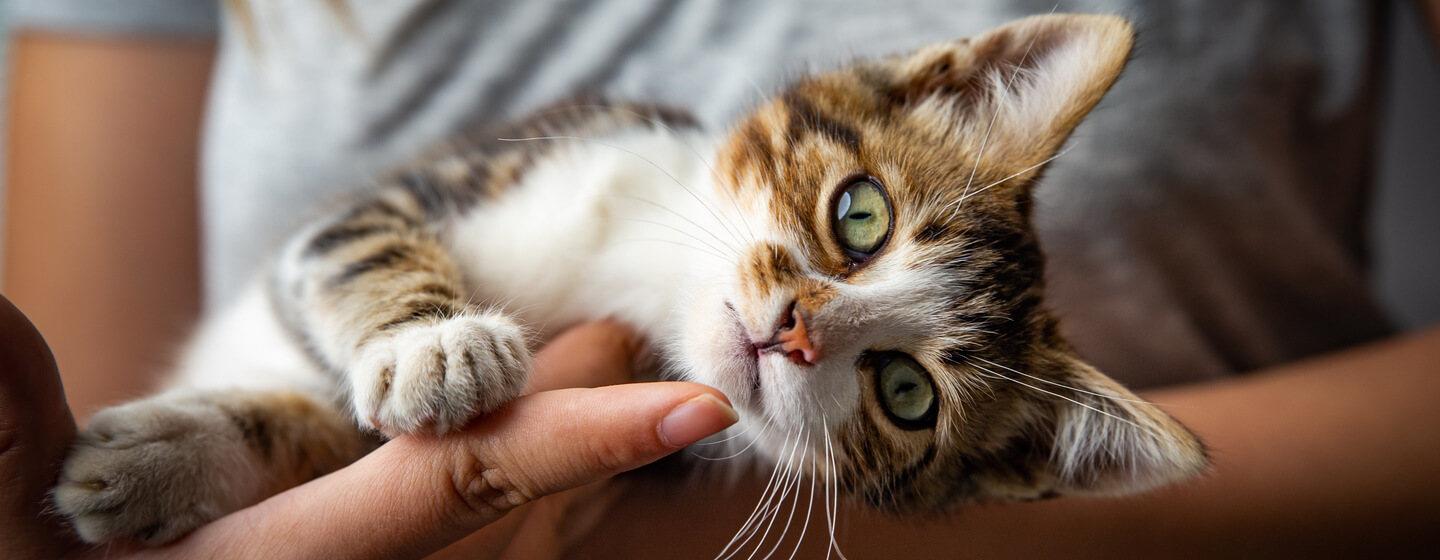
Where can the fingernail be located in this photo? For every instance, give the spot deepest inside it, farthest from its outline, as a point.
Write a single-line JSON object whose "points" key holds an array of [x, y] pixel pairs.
{"points": [[695, 419]]}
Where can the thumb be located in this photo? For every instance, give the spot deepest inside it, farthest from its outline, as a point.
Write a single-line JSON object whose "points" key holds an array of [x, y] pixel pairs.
{"points": [[417, 494], [35, 429]]}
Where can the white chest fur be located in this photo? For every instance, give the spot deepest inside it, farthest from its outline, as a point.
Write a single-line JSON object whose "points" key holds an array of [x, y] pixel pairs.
{"points": [[616, 227]]}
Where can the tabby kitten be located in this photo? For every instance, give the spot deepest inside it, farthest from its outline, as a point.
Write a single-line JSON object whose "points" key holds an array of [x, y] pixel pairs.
{"points": [[852, 264]]}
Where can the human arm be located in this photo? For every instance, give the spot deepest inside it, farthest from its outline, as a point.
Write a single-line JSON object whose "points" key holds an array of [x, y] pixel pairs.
{"points": [[101, 234], [410, 497]]}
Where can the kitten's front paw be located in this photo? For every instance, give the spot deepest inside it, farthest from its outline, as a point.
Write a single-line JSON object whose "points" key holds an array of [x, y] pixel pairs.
{"points": [[152, 471], [436, 377]]}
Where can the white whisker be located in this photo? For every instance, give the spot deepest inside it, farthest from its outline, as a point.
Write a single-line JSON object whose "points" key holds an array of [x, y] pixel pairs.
{"points": [[984, 142], [795, 503], [681, 244], [829, 483], [1054, 394], [675, 229], [713, 174], [1042, 380], [686, 218], [1012, 176], [809, 506], [764, 509], [720, 441], [737, 453], [833, 498], [759, 505], [789, 478]]}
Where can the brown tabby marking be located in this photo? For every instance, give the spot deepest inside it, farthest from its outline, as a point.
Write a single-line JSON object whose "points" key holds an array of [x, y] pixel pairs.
{"points": [[297, 437], [386, 267], [996, 437]]}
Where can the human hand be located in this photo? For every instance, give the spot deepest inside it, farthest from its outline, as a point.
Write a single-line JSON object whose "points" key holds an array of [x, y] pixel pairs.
{"points": [[411, 497]]}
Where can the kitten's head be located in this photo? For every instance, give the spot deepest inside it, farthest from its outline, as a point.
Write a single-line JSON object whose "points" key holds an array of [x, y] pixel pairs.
{"points": [[884, 324]]}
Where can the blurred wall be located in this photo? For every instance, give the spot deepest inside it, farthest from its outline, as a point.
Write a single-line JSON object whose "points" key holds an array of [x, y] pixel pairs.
{"points": [[1407, 213], [4, 90]]}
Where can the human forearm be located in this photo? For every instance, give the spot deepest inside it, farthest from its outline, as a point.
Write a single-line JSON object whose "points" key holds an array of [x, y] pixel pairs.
{"points": [[1328, 457], [100, 247]]}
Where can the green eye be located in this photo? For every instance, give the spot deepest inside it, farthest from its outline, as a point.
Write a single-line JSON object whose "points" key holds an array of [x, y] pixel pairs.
{"points": [[906, 392], [862, 217]]}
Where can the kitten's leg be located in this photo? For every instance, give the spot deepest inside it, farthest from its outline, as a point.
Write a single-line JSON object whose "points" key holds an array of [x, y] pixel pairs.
{"points": [[374, 300], [376, 297], [154, 469]]}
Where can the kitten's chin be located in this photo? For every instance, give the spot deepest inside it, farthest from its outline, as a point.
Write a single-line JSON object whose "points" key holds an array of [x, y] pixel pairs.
{"points": [[716, 351]]}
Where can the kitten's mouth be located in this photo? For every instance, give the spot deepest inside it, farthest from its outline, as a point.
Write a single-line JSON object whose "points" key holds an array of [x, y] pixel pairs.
{"points": [[744, 349]]}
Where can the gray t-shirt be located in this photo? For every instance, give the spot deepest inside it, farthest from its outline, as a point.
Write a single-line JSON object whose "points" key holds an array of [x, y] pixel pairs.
{"points": [[1209, 219]]}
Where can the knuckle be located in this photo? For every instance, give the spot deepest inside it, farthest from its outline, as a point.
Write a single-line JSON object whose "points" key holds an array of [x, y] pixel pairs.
{"points": [[487, 490], [612, 457]]}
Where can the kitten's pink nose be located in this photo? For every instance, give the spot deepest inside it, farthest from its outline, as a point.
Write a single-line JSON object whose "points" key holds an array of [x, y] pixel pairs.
{"points": [[793, 339]]}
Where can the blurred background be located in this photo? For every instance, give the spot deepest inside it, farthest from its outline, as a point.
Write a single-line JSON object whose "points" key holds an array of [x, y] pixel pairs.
{"points": [[1406, 224]]}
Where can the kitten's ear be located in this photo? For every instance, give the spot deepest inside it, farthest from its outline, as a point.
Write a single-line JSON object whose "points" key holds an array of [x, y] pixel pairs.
{"points": [[1109, 442], [1019, 89]]}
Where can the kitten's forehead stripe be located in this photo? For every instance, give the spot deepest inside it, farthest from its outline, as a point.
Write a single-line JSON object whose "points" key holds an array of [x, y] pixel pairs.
{"points": [[767, 267], [806, 118], [802, 179], [759, 152], [789, 152]]}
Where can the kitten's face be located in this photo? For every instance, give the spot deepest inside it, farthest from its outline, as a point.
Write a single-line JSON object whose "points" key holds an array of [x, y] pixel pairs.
{"points": [[883, 325]]}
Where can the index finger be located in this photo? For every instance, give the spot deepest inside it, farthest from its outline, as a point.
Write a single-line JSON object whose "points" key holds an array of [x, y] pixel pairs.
{"points": [[417, 494]]}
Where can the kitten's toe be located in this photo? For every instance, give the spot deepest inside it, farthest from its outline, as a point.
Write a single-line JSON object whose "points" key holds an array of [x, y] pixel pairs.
{"points": [[151, 471], [437, 377]]}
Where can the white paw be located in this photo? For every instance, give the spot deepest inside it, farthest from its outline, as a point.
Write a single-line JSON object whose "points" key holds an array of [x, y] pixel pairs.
{"points": [[154, 470], [436, 377]]}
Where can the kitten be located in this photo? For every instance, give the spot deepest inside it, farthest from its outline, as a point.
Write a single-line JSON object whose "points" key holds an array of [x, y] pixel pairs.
{"points": [[852, 264]]}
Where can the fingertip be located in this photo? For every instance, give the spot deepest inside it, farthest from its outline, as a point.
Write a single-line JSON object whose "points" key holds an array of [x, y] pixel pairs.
{"points": [[696, 419]]}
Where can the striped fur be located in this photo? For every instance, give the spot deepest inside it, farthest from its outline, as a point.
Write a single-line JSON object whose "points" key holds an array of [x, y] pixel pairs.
{"points": [[958, 134], [415, 308]]}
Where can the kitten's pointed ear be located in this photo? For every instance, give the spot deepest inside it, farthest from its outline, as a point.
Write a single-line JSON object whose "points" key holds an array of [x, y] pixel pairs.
{"points": [[1019, 89], [1109, 442]]}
